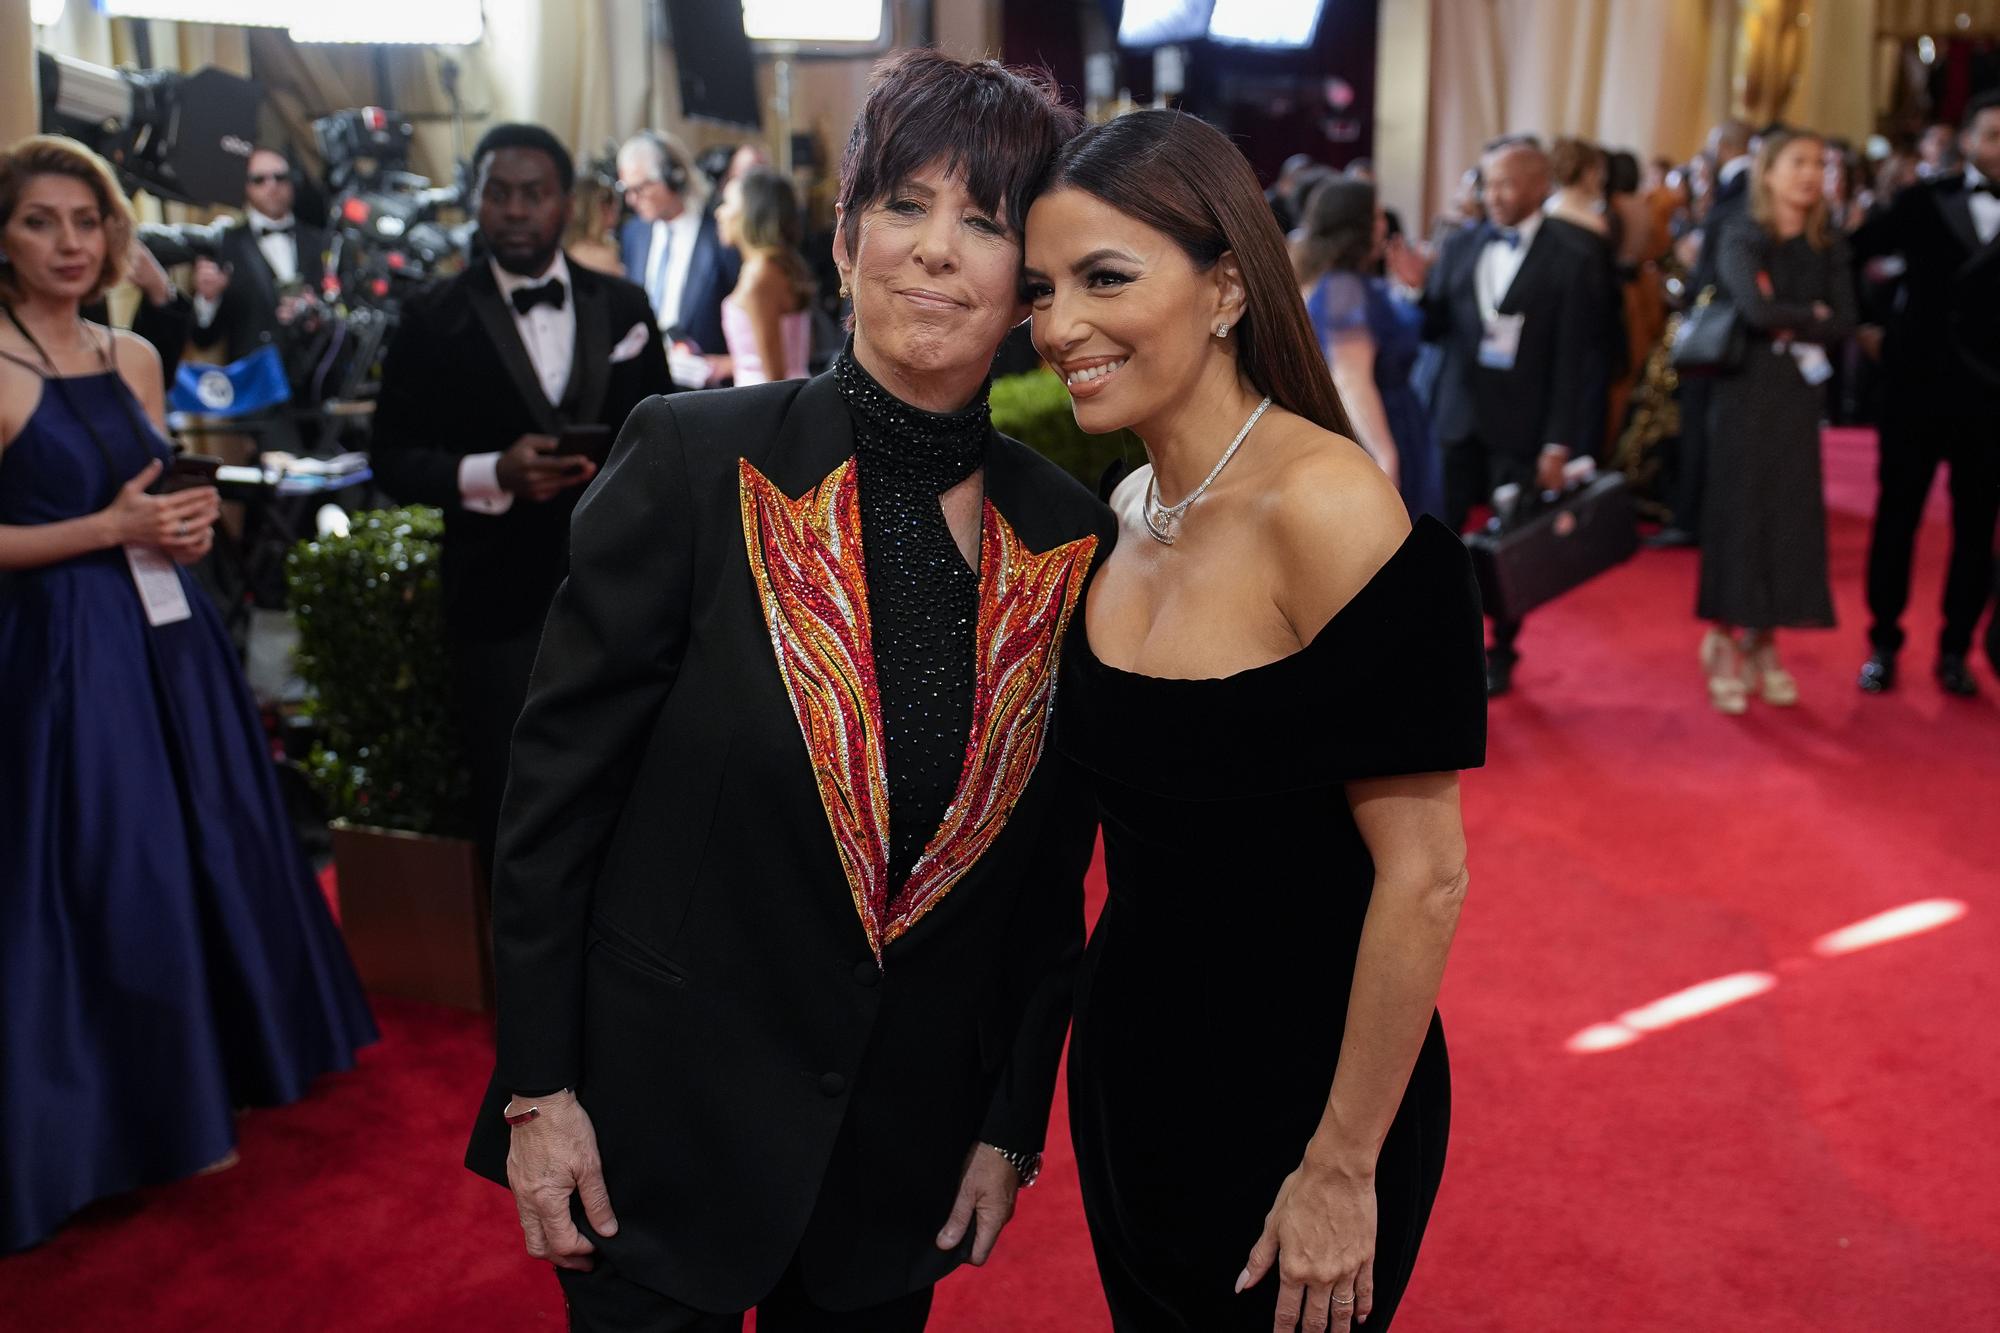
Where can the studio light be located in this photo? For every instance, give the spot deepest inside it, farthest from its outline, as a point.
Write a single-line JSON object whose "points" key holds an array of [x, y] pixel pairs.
{"points": [[45, 13], [1163, 22], [813, 22], [240, 13], [433, 23], [1280, 23]]}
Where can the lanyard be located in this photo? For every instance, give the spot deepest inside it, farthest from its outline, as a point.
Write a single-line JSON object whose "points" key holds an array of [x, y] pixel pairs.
{"points": [[62, 391]]}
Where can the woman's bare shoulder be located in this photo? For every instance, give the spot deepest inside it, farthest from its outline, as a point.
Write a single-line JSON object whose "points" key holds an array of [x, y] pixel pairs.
{"points": [[1335, 519]]}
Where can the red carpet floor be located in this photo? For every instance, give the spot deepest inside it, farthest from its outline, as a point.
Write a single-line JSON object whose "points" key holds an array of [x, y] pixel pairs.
{"points": [[1818, 1155]]}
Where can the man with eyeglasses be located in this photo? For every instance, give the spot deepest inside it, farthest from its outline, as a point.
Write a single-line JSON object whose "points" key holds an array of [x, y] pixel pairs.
{"points": [[269, 265], [672, 251]]}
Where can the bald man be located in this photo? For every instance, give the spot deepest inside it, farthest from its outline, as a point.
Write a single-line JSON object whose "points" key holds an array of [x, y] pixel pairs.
{"points": [[1518, 305]]}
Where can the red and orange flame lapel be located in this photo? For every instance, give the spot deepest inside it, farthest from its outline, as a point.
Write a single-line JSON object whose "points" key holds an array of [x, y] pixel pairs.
{"points": [[805, 555]]}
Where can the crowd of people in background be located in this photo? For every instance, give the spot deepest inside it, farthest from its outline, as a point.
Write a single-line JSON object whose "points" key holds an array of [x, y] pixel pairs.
{"points": [[1533, 327]]}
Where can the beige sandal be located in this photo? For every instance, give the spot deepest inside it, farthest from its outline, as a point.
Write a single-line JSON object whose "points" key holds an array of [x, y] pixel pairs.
{"points": [[1779, 687], [1723, 663]]}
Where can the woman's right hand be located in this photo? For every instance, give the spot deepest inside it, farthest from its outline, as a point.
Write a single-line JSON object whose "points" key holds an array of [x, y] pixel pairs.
{"points": [[176, 522]]}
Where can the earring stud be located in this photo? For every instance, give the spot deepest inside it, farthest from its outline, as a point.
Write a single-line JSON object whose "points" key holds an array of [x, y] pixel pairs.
{"points": [[1222, 329]]}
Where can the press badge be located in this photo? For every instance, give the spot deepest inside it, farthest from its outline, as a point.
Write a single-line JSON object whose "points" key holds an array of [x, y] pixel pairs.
{"points": [[1502, 342], [1812, 363], [159, 582]]}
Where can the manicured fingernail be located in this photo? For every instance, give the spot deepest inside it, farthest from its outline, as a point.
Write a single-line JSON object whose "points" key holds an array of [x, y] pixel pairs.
{"points": [[1242, 1281]]}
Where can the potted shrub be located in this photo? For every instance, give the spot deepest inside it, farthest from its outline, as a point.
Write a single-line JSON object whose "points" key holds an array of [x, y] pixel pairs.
{"points": [[413, 902]]}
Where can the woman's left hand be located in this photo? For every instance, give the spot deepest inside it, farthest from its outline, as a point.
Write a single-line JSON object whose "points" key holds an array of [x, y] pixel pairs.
{"points": [[1321, 1236], [196, 535]]}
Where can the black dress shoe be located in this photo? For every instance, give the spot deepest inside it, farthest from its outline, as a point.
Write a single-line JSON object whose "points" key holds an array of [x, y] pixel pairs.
{"points": [[1878, 673], [1955, 677], [1499, 675], [1670, 536]]}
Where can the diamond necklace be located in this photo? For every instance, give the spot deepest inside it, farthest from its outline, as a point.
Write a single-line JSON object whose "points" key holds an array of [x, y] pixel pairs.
{"points": [[1163, 520]]}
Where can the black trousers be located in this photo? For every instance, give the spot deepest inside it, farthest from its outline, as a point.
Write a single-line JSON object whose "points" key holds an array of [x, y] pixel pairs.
{"points": [[1472, 472], [1913, 443], [491, 676], [1690, 461], [601, 1301]]}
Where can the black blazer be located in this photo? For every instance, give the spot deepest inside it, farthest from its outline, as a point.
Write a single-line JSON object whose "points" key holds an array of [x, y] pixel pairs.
{"points": [[712, 274], [1554, 394], [1731, 201], [247, 316], [456, 381], [678, 897], [1942, 347]]}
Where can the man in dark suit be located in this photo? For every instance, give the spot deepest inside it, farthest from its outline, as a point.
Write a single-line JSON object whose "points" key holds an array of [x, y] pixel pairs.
{"points": [[1730, 160], [1941, 368], [1518, 305], [484, 375], [249, 298], [672, 251]]}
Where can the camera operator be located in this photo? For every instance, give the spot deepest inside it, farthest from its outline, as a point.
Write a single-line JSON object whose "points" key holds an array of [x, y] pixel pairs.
{"points": [[491, 386], [672, 251], [269, 267]]}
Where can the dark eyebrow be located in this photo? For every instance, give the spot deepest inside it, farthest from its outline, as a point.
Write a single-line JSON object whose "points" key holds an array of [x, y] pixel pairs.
{"points": [[1098, 256]]}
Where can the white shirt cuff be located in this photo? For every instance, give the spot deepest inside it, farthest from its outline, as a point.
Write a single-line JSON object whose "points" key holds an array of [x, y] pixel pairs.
{"points": [[204, 311], [479, 484]]}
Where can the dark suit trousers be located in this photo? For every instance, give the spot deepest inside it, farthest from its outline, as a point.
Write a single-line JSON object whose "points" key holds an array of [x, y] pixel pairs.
{"points": [[601, 1301], [491, 676], [1913, 443], [1472, 472], [1690, 463]]}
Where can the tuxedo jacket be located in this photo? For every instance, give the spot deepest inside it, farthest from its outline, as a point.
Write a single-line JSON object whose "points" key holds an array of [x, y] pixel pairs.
{"points": [[784, 1055], [712, 275], [457, 380], [1554, 393], [1942, 346], [1731, 202], [247, 316]]}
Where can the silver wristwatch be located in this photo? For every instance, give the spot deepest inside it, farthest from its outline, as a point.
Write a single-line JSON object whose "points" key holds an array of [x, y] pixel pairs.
{"points": [[1027, 1165]]}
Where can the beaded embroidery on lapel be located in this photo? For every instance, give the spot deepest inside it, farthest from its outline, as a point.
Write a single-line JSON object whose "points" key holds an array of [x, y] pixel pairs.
{"points": [[805, 556]]}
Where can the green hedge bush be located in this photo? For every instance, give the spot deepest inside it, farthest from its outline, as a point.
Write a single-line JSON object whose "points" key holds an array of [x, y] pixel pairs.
{"points": [[1034, 408], [370, 614]]}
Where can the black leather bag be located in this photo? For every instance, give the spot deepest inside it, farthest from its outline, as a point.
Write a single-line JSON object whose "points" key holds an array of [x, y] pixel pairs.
{"points": [[1711, 339], [1546, 548]]}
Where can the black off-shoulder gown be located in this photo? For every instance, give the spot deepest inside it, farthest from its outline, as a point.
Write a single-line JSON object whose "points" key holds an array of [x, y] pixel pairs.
{"points": [[1210, 1015]]}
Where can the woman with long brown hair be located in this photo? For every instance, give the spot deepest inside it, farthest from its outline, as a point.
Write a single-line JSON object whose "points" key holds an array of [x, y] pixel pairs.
{"points": [[1763, 519], [1277, 683], [767, 320]]}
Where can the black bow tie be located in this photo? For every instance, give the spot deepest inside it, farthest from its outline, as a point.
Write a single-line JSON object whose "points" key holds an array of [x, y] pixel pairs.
{"points": [[1985, 187], [273, 229], [549, 293], [1508, 236]]}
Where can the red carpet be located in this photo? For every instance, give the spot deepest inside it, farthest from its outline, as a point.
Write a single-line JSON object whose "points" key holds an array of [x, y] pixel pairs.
{"points": [[1818, 1156]]}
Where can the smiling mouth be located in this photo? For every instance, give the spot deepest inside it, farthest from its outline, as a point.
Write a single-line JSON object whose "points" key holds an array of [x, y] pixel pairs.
{"points": [[1092, 374], [929, 298]]}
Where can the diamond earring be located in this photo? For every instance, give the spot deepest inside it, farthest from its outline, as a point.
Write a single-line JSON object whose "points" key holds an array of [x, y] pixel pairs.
{"points": [[1222, 329]]}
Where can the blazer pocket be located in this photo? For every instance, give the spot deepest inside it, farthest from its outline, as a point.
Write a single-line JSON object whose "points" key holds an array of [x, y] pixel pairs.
{"points": [[623, 947]]}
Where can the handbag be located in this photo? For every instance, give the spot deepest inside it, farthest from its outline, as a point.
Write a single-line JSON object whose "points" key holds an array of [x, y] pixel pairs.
{"points": [[1711, 339], [1545, 549]]}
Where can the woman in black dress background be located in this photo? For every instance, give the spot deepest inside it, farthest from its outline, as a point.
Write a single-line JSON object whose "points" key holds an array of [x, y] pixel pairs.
{"points": [[1763, 547], [1277, 682]]}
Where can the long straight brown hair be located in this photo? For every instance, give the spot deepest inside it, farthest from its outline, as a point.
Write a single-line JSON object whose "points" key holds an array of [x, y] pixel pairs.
{"points": [[1182, 177]]}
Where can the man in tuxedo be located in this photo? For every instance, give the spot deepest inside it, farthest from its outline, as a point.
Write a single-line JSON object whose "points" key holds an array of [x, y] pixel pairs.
{"points": [[1730, 159], [672, 251], [485, 374], [268, 264], [1941, 401], [1518, 304]]}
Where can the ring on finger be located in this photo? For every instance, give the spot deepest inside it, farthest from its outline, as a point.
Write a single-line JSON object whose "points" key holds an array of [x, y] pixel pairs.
{"points": [[1343, 1300], [183, 528]]}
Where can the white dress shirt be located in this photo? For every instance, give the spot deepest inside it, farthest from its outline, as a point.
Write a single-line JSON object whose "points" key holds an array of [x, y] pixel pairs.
{"points": [[1499, 264], [280, 251], [1731, 169], [673, 246], [550, 337], [1985, 208]]}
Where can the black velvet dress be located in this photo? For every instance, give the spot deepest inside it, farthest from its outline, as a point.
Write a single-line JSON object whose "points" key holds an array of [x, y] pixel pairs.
{"points": [[1238, 885]]}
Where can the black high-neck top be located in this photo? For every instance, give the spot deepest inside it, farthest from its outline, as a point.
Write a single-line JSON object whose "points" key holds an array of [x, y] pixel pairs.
{"points": [[922, 595]]}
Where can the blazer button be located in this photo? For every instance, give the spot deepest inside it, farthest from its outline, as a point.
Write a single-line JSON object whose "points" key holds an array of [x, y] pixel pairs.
{"points": [[832, 1084], [866, 973]]}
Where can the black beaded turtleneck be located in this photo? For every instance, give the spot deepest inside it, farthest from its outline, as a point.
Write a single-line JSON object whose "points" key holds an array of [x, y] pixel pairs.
{"points": [[923, 597]]}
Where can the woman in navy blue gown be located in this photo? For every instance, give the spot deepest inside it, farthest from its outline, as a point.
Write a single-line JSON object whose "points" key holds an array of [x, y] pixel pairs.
{"points": [[1371, 336], [165, 956]]}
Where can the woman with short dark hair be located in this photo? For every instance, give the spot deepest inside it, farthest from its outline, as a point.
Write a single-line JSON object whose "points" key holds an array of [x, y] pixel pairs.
{"points": [[788, 900], [1277, 683]]}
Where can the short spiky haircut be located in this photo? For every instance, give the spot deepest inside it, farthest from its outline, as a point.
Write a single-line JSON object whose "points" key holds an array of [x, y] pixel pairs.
{"points": [[526, 136], [994, 127]]}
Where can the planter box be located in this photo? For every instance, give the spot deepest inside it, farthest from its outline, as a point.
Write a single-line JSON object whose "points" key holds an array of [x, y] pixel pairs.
{"points": [[415, 911]]}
